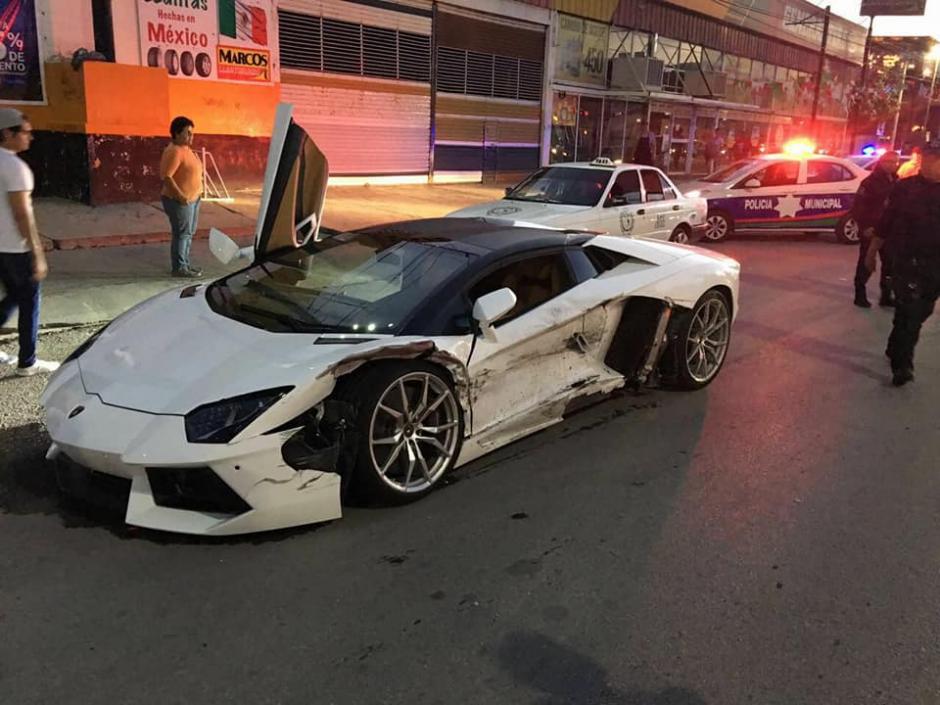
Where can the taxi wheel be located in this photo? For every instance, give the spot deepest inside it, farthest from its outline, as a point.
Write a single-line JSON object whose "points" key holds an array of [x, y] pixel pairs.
{"points": [[720, 226], [681, 235], [847, 231]]}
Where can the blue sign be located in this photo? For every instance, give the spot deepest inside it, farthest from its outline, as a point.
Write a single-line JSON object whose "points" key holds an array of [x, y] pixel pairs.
{"points": [[20, 57]]}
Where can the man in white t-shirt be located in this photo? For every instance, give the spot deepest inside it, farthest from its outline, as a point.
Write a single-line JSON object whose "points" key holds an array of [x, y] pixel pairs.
{"points": [[22, 260]]}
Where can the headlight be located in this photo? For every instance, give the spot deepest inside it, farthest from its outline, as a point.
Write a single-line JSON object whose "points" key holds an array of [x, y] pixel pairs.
{"points": [[221, 421]]}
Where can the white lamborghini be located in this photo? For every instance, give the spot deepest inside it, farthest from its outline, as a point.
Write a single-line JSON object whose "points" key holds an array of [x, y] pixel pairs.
{"points": [[370, 363]]}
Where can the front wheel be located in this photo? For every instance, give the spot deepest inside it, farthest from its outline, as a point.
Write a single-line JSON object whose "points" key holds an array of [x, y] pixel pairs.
{"points": [[701, 343], [410, 427], [848, 231], [720, 226]]}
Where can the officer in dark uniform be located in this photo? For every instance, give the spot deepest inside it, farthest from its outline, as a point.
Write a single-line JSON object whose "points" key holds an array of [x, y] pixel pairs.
{"points": [[910, 229], [867, 210]]}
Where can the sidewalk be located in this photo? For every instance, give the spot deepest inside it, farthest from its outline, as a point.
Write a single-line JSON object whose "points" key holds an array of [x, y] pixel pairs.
{"points": [[104, 260]]}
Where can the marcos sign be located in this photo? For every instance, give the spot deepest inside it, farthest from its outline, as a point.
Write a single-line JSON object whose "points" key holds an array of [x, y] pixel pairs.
{"points": [[225, 40]]}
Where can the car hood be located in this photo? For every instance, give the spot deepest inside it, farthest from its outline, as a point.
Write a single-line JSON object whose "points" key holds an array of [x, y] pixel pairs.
{"points": [[526, 211], [172, 354]]}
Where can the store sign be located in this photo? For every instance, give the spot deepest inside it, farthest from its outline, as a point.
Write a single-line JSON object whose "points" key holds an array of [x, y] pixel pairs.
{"points": [[21, 78], [224, 40], [873, 8], [582, 51]]}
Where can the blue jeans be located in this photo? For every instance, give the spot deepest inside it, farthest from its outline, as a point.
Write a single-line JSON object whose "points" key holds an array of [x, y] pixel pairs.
{"points": [[16, 275], [183, 218]]}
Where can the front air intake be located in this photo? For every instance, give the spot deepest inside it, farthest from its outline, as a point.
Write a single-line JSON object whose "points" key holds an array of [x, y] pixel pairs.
{"points": [[195, 489]]}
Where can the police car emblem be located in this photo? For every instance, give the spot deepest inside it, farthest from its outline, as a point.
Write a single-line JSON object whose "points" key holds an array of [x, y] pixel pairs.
{"points": [[503, 210], [626, 221]]}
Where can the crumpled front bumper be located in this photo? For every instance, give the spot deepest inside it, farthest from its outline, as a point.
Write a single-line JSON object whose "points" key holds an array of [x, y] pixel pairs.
{"points": [[192, 488]]}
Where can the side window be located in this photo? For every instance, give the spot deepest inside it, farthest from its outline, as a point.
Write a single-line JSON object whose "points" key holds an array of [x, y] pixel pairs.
{"points": [[777, 174], [653, 186], [626, 190], [534, 281], [819, 171], [669, 193]]}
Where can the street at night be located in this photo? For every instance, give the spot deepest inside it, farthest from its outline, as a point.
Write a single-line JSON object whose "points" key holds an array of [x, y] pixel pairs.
{"points": [[773, 538]]}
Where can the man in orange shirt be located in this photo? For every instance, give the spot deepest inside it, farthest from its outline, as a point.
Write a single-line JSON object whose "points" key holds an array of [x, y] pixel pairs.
{"points": [[181, 173]]}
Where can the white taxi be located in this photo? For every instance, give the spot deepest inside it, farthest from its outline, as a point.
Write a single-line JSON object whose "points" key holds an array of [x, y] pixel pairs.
{"points": [[620, 199], [780, 193]]}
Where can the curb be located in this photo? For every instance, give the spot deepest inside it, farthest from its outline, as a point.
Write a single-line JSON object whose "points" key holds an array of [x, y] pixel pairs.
{"points": [[240, 235]]}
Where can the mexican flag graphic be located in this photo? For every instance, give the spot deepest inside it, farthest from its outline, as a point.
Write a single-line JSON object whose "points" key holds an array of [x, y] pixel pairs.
{"points": [[244, 21]]}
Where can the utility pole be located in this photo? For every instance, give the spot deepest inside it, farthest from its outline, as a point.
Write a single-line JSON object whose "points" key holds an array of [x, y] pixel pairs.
{"points": [[864, 81], [819, 71], [935, 54], [897, 113]]}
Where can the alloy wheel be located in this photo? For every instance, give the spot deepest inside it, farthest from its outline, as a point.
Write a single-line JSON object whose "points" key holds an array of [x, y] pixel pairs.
{"points": [[413, 432], [717, 227], [708, 339]]}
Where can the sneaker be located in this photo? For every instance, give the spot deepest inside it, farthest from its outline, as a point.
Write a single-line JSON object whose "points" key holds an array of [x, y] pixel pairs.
{"points": [[186, 274], [7, 358], [195, 270], [862, 301], [902, 376], [36, 368]]}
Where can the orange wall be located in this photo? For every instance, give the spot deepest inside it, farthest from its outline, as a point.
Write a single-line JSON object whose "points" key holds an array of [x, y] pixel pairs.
{"points": [[120, 99]]}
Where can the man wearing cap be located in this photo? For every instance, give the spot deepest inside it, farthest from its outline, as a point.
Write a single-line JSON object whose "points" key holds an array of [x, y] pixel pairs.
{"points": [[22, 260], [910, 229]]}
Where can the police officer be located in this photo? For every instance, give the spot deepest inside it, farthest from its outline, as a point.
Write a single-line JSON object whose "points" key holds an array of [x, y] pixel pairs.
{"points": [[867, 210], [910, 229]]}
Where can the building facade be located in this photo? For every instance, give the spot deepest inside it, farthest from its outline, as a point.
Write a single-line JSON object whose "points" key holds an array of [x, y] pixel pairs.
{"points": [[421, 90]]}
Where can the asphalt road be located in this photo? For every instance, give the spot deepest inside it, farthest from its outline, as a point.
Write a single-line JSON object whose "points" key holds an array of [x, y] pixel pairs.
{"points": [[773, 539]]}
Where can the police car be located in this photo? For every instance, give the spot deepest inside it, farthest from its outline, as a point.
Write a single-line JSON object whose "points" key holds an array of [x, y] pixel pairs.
{"points": [[780, 193], [620, 199]]}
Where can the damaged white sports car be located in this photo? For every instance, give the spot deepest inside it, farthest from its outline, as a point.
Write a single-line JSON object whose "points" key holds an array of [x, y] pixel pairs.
{"points": [[370, 362]]}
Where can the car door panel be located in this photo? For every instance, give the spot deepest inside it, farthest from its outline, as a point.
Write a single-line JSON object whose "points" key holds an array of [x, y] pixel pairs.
{"points": [[632, 217], [828, 194], [773, 205]]}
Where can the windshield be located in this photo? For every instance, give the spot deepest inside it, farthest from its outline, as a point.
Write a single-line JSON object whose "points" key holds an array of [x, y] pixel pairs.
{"points": [[566, 185], [725, 174], [348, 283]]}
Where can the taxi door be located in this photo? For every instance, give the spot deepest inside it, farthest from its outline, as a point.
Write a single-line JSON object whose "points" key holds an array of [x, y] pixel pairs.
{"points": [[623, 211], [663, 204]]}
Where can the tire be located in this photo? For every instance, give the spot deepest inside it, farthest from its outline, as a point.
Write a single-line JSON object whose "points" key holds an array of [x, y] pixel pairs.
{"points": [[172, 62], [187, 63], [681, 235], [377, 397], [720, 226], [203, 65], [688, 349], [847, 230], [154, 57]]}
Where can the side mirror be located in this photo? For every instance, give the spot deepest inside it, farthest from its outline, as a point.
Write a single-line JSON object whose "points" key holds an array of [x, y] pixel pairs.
{"points": [[614, 201], [489, 308], [225, 249], [509, 190], [752, 183]]}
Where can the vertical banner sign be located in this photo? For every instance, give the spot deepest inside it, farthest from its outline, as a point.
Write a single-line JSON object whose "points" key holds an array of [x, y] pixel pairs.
{"points": [[582, 51], [224, 40], [20, 57]]}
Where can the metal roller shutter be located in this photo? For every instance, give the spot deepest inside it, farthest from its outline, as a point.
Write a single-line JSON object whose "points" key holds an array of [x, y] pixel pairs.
{"points": [[489, 91], [358, 75]]}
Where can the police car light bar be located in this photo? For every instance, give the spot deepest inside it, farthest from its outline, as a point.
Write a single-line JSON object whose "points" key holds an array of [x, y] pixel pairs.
{"points": [[799, 147]]}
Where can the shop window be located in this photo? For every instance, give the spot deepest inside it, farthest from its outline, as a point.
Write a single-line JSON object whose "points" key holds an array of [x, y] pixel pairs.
{"points": [[103, 28], [506, 77], [342, 46], [300, 38], [378, 52], [414, 57]]}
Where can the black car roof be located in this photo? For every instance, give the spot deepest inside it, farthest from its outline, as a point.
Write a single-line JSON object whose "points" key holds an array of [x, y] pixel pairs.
{"points": [[484, 235]]}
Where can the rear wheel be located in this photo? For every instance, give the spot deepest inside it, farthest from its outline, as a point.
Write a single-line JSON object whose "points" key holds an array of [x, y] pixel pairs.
{"points": [[410, 427], [720, 226], [848, 230], [682, 234]]}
